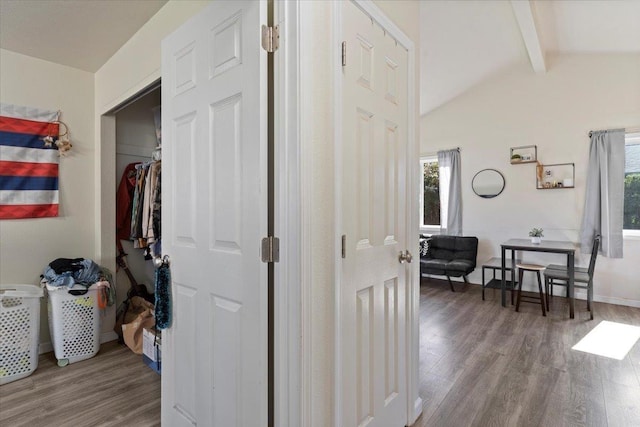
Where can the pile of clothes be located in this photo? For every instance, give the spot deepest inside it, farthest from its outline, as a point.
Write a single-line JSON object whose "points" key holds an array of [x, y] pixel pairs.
{"points": [[80, 271], [71, 271]]}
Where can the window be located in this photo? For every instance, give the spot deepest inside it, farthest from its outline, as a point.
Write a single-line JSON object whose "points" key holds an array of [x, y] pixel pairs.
{"points": [[430, 194], [631, 221]]}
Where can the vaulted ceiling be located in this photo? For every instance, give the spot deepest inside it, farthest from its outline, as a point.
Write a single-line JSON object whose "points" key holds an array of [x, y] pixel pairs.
{"points": [[462, 42]]}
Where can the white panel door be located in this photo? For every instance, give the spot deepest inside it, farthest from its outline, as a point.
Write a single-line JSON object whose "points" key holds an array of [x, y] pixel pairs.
{"points": [[214, 194], [374, 201]]}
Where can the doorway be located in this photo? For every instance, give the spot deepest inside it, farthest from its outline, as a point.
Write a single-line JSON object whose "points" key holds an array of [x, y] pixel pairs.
{"points": [[138, 141], [286, 322], [377, 288]]}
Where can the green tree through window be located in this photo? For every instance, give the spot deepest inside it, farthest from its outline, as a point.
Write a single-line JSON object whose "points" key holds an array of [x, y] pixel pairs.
{"points": [[631, 202], [431, 191], [631, 212]]}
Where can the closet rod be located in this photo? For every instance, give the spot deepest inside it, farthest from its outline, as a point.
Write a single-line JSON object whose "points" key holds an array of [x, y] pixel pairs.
{"points": [[144, 92]]}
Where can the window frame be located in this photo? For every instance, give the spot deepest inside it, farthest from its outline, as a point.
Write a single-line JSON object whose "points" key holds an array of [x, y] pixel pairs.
{"points": [[426, 228], [631, 138]]}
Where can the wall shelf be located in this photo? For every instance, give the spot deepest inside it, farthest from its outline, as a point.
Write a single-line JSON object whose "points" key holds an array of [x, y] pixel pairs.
{"points": [[555, 176], [523, 154]]}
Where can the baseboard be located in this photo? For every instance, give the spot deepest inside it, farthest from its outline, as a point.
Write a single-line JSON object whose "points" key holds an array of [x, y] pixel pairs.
{"points": [[582, 295], [417, 409], [444, 278], [108, 336], [616, 301], [47, 347]]}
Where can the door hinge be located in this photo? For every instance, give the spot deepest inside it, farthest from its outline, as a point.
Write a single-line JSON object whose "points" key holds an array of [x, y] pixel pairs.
{"points": [[270, 249], [344, 54], [270, 38], [344, 246]]}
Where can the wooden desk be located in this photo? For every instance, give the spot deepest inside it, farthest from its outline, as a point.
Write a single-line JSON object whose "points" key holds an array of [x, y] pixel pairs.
{"points": [[559, 247]]}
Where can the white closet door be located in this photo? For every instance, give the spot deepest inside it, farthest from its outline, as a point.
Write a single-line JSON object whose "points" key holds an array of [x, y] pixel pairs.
{"points": [[214, 215]]}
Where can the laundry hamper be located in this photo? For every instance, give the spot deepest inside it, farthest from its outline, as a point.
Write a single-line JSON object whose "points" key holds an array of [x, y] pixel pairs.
{"points": [[19, 331], [74, 322]]}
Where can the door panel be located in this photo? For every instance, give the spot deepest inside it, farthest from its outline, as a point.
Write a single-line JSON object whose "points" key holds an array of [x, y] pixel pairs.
{"points": [[214, 215], [374, 219]]}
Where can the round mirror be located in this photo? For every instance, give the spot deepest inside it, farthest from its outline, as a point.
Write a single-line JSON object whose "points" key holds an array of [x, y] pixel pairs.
{"points": [[488, 183]]}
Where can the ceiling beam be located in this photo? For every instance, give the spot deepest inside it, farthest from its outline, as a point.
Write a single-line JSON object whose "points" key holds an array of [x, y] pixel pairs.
{"points": [[523, 10]]}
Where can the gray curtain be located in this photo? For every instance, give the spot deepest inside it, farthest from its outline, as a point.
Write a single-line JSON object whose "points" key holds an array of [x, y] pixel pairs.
{"points": [[604, 198], [450, 192]]}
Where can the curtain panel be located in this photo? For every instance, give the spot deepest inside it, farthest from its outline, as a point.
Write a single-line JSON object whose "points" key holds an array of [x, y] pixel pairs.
{"points": [[450, 192], [604, 198]]}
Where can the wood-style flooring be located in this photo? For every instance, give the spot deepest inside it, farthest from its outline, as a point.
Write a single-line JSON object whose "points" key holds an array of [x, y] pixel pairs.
{"points": [[114, 388], [484, 365], [480, 365]]}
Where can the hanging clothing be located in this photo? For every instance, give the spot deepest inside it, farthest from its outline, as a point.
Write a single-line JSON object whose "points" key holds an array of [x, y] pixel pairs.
{"points": [[156, 214], [124, 199], [146, 205], [138, 200], [150, 187]]}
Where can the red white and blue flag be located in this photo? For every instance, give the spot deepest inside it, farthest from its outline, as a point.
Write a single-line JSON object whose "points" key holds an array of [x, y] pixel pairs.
{"points": [[28, 168]]}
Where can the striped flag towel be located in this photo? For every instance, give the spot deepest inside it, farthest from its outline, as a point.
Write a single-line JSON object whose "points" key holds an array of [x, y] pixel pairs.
{"points": [[28, 168]]}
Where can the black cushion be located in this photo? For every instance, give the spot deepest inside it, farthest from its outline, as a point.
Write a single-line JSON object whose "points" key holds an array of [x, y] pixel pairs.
{"points": [[460, 266], [435, 266]]}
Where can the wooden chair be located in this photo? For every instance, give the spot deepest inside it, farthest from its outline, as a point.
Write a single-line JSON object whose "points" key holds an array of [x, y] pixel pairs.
{"points": [[558, 275], [536, 269]]}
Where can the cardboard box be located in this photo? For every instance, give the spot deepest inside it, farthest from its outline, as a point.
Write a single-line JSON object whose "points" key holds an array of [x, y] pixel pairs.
{"points": [[156, 366], [152, 347]]}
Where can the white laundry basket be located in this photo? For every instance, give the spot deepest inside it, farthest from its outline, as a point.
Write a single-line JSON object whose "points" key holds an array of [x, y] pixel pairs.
{"points": [[19, 331], [74, 322]]}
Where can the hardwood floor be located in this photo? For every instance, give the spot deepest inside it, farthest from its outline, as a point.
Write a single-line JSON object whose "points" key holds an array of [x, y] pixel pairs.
{"points": [[484, 365], [480, 365], [114, 388]]}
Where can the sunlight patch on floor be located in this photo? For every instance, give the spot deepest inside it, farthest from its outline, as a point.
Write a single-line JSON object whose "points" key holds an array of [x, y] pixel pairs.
{"points": [[609, 339]]}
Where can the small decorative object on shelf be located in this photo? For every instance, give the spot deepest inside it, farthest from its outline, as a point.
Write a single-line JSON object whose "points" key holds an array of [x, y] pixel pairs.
{"points": [[559, 175], [536, 235], [524, 154]]}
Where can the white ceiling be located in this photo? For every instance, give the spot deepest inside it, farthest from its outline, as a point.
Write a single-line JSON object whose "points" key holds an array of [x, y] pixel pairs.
{"points": [[589, 26], [462, 41], [82, 34]]}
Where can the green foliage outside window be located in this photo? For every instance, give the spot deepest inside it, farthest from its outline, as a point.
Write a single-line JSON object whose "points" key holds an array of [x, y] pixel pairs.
{"points": [[631, 202], [431, 194]]}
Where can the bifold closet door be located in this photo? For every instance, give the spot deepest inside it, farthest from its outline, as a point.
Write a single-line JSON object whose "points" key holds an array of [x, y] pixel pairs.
{"points": [[214, 216]]}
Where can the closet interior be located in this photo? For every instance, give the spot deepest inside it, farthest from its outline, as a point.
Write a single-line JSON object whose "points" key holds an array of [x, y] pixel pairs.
{"points": [[138, 150]]}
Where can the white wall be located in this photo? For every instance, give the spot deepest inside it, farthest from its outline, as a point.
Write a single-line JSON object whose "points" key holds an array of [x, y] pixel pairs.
{"points": [[554, 111], [27, 246], [317, 145]]}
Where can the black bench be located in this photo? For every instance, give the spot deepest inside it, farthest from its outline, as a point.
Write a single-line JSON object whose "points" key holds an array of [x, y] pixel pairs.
{"points": [[451, 256]]}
